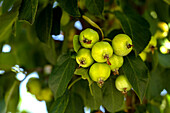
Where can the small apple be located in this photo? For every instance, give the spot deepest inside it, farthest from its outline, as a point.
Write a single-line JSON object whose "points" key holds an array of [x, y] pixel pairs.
{"points": [[102, 51], [99, 72], [116, 63], [122, 44], [84, 58], [88, 38], [122, 84]]}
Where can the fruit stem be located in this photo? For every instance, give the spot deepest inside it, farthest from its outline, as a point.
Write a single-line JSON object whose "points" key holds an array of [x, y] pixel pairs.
{"points": [[74, 82], [129, 46], [153, 48], [107, 56], [93, 24]]}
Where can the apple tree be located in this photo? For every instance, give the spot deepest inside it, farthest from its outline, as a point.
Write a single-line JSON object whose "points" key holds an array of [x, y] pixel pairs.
{"points": [[87, 53]]}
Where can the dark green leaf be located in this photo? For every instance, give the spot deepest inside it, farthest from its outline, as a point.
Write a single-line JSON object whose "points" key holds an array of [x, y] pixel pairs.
{"points": [[155, 84], [44, 24], [7, 60], [7, 20], [164, 60], [76, 44], [136, 27], [60, 104], [70, 6], [6, 5], [57, 12], [61, 75], [82, 88], [84, 74], [112, 98], [49, 51], [113, 33], [153, 109], [28, 10], [137, 73], [95, 7], [75, 104], [97, 94], [166, 78]]}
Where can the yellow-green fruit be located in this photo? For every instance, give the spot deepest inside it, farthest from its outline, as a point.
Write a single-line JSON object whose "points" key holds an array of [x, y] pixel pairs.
{"points": [[102, 51], [152, 45], [116, 62], [84, 58], [163, 30], [99, 72], [122, 44], [88, 38], [34, 86], [122, 84], [143, 56], [46, 94]]}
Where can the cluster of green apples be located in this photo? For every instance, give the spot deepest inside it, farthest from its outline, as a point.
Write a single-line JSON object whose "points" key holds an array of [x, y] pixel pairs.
{"points": [[34, 86], [101, 57]]}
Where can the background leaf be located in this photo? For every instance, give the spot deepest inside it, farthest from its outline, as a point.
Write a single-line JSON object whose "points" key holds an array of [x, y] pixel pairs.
{"points": [[164, 60], [44, 23], [136, 27], [28, 10], [61, 75], [137, 74], [70, 6], [95, 7], [112, 98], [60, 104], [7, 5]]}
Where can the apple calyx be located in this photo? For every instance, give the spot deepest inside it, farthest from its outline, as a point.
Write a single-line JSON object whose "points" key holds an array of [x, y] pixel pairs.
{"points": [[106, 56], [124, 91], [129, 46], [82, 62], [100, 82], [153, 48], [116, 72], [85, 40]]}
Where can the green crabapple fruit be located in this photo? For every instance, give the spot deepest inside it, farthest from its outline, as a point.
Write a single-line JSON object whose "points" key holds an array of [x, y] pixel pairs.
{"points": [[45, 94], [99, 72], [116, 63], [84, 58], [102, 51], [122, 44], [143, 55], [34, 86], [88, 38], [163, 30], [151, 46], [122, 84]]}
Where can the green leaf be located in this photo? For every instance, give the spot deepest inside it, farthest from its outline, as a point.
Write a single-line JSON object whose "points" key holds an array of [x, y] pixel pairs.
{"points": [[84, 74], [76, 44], [137, 73], [75, 104], [49, 51], [61, 75], [82, 88], [60, 104], [136, 27], [28, 10], [7, 20], [166, 78], [7, 60], [44, 23], [164, 60], [70, 6], [6, 5], [95, 7], [112, 98], [57, 12], [155, 85]]}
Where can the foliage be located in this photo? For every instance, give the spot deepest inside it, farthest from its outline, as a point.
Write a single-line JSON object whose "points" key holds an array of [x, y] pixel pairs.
{"points": [[30, 28]]}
